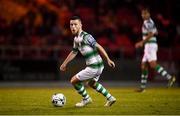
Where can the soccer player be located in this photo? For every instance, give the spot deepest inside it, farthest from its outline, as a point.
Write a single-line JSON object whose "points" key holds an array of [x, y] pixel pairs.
{"points": [[149, 42], [89, 48]]}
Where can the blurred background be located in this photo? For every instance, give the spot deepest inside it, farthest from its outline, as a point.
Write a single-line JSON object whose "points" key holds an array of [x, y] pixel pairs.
{"points": [[35, 39]]}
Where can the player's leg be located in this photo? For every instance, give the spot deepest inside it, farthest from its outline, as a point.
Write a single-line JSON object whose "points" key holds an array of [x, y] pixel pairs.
{"points": [[81, 90], [152, 59], [159, 69], [99, 88], [79, 87], [144, 69], [144, 76]]}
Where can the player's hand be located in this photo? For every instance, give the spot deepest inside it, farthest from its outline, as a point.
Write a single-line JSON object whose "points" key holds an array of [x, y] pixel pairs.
{"points": [[111, 63], [139, 44], [63, 67]]}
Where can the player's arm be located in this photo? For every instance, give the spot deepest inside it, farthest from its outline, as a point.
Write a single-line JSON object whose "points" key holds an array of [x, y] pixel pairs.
{"points": [[142, 42], [152, 31], [150, 34], [104, 53], [92, 42], [70, 57]]}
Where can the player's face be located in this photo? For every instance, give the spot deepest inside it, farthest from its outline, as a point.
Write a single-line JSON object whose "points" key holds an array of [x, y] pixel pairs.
{"points": [[145, 14], [75, 26]]}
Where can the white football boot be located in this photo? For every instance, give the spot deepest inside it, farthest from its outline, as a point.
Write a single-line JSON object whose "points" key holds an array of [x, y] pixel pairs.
{"points": [[84, 102], [110, 101]]}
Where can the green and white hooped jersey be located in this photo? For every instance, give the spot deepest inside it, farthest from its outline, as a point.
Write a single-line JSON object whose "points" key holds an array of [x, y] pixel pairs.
{"points": [[85, 44], [149, 26]]}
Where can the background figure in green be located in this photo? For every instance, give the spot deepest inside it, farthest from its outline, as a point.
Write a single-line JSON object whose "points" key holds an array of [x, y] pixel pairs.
{"points": [[149, 32]]}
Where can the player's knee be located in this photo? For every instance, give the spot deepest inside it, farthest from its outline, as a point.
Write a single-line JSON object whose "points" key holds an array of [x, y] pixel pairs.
{"points": [[143, 67], [74, 80], [153, 65], [71, 81], [91, 83]]}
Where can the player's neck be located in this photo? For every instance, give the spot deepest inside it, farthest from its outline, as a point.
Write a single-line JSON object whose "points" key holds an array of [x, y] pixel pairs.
{"points": [[79, 32], [147, 19]]}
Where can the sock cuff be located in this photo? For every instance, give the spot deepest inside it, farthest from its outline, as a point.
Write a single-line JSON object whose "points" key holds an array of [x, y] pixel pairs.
{"points": [[157, 67], [145, 72], [78, 86], [97, 84]]}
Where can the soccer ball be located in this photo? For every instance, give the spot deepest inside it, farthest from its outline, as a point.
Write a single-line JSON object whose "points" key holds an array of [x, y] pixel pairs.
{"points": [[58, 99]]}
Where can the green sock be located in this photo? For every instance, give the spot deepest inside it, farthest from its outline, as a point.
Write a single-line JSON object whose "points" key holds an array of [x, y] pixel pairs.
{"points": [[144, 77], [162, 72], [99, 88], [81, 90]]}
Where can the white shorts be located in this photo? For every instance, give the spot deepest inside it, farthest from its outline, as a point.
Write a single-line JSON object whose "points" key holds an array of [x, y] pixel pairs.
{"points": [[89, 73], [150, 52]]}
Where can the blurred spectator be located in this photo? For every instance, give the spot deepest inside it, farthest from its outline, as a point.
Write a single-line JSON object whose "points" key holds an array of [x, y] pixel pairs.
{"points": [[115, 24]]}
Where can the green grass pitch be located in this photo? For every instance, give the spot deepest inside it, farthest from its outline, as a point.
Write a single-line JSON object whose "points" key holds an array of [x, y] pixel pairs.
{"points": [[157, 101]]}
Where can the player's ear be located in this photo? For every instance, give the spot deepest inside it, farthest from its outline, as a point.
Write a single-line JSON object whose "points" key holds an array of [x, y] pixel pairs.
{"points": [[80, 23]]}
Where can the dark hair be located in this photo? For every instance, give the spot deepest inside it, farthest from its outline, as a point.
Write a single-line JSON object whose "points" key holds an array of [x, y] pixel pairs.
{"points": [[146, 9], [75, 17]]}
